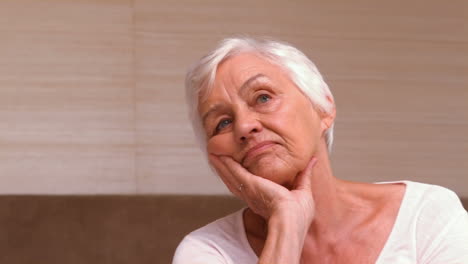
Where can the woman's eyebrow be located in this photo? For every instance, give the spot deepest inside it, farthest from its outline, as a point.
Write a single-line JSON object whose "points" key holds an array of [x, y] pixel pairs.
{"points": [[247, 83], [212, 110]]}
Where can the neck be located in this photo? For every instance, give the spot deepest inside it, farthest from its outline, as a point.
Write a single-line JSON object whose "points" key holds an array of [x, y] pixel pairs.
{"points": [[336, 202], [326, 192]]}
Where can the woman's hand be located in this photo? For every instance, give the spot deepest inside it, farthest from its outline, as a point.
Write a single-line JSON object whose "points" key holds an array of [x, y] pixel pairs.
{"points": [[289, 213], [265, 197]]}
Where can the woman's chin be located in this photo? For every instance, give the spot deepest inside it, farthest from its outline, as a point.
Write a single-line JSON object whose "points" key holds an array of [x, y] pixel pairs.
{"points": [[274, 172]]}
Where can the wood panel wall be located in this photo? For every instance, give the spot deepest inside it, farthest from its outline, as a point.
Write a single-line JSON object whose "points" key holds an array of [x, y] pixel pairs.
{"points": [[91, 92]]}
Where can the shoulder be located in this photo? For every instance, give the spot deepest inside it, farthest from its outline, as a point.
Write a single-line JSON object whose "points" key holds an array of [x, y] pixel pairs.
{"points": [[420, 200], [430, 205], [441, 223], [433, 199], [216, 242]]}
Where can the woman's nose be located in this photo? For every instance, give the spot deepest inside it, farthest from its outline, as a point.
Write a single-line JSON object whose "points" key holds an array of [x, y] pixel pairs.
{"points": [[246, 126]]}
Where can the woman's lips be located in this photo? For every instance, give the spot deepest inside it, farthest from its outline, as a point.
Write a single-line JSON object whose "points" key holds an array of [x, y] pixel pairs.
{"points": [[257, 150]]}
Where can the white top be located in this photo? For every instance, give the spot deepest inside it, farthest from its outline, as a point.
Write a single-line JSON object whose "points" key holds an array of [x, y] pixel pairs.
{"points": [[431, 228]]}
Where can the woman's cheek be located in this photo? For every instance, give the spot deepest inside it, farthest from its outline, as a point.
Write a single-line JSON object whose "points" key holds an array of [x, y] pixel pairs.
{"points": [[220, 145]]}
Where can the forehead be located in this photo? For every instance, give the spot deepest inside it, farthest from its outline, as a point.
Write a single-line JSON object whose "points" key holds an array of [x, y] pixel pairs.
{"points": [[241, 67], [236, 73], [232, 73]]}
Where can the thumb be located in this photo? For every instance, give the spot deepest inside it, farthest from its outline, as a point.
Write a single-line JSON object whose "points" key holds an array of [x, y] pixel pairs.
{"points": [[303, 180]]}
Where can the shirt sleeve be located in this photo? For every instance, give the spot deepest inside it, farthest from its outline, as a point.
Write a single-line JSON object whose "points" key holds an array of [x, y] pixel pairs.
{"points": [[443, 232]]}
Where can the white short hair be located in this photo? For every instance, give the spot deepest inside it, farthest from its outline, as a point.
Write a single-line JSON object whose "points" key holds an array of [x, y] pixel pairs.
{"points": [[303, 72]]}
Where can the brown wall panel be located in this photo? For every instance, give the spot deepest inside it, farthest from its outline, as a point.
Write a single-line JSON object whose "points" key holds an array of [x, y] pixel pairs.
{"points": [[66, 97]]}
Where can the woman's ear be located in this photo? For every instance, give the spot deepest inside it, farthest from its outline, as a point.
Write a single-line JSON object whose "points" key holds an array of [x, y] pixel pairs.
{"points": [[328, 118]]}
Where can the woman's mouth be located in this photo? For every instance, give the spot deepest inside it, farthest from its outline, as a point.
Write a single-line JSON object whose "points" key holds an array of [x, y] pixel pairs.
{"points": [[257, 150]]}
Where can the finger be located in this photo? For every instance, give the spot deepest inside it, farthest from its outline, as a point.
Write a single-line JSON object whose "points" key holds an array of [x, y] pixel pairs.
{"points": [[241, 174], [225, 175], [220, 168], [303, 180]]}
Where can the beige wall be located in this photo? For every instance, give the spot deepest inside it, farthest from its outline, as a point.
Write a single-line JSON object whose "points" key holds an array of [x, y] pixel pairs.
{"points": [[91, 92]]}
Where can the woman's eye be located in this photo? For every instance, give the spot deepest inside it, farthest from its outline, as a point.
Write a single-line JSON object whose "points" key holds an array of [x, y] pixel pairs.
{"points": [[263, 98], [223, 124]]}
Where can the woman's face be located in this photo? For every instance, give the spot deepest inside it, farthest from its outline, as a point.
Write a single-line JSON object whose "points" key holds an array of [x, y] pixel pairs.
{"points": [[256, 115]]}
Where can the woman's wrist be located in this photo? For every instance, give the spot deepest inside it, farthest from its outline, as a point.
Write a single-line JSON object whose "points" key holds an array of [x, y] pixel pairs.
{"points": [[297, 222], [285, 239]]}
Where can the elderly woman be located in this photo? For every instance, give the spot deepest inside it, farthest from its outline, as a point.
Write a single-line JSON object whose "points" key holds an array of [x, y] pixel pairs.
{"points": [[265, 116]]}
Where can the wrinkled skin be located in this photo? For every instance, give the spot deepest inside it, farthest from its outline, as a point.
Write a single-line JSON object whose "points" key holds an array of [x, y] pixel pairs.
{"points": [[268, 108]]}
